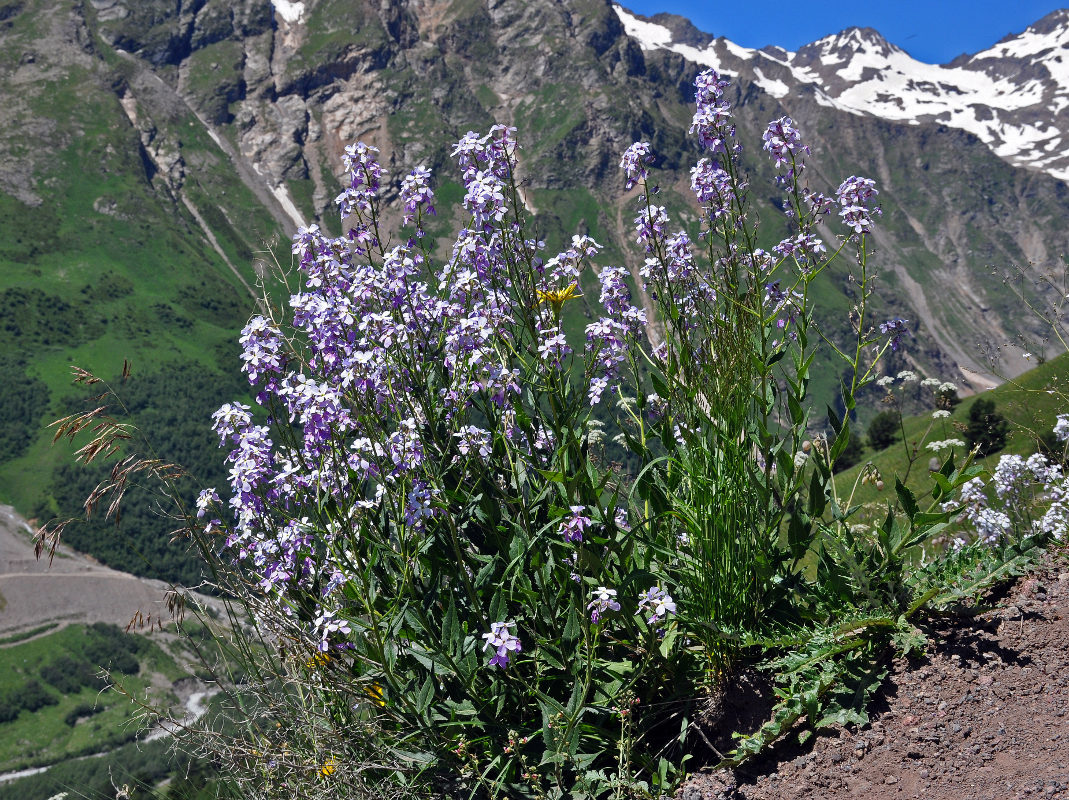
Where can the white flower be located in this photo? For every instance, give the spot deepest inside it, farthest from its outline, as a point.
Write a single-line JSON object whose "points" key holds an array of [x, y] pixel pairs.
{"points": [[940, 414], [1061, 429], [946, 386], [944, 444], [907, 376], [885, 381], [931, 382]]}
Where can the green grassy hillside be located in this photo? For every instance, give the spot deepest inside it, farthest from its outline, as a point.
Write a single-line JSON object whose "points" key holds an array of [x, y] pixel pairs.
{"points": [[1031, 402], [51, 704]]}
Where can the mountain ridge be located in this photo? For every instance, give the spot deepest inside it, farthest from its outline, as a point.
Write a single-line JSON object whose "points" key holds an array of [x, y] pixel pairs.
{"points": [[1014, 95]]}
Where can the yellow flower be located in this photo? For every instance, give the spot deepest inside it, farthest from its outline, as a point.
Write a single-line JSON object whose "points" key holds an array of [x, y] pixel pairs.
{"points": [[328, 768], [318, 660], [557, 298], [374, 691]]}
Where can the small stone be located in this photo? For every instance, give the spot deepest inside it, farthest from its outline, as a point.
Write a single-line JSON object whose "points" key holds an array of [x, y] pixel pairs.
{"points": [[890, 780], [923, 772]]}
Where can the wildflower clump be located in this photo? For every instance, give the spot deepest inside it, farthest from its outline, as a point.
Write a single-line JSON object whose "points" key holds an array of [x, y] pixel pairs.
{"points": [[418, 526]]}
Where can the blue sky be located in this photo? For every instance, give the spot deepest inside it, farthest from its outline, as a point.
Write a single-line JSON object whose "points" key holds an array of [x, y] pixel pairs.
{"points": [[934, 31]]}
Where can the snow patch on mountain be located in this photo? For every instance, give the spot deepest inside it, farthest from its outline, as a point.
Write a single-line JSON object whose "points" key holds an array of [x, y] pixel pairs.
{"points": [[289, 11], [1013, 96]]}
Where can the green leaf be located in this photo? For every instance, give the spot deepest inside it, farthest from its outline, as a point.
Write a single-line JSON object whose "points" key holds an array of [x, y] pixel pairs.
{"points": [[659, 386], [426, 695], [550, 654], [907, 498], [818, 497], [668, 641], [451, 626], [572, 628], [553, 477], [799, 534]]}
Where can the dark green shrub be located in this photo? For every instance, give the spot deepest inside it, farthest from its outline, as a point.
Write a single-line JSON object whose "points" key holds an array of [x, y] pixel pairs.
{"points": [[9, 707], [987, 429], [81, 711], [884, 429], [110, 647], [70, 675], [33, 696]]}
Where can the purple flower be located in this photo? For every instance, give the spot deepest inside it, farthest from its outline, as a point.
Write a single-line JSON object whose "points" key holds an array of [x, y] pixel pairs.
{"points": [[485, 199], [854, 196], [657, 602], [501, 150], [650, 224], [230, 419], [713, 187], [261, 349], [634, 162], [783, 142], [603, 600], [474, 440], [803, 247], [327, 624], [572, 527], [896, 327], [205, 500], [607, 340], [419, 505], [708, 87], [365, 174], [1061, 428], [502, 642], [416, 191], [553, 347], [470, 153], [712, 116]]}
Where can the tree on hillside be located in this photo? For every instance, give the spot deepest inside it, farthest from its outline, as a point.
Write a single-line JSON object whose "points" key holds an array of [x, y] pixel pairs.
{"points": [[987, 429], [884, 429]]}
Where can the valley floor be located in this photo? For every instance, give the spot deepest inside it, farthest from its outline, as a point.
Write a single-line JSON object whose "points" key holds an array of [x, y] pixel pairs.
{"points": [[74, 589]]}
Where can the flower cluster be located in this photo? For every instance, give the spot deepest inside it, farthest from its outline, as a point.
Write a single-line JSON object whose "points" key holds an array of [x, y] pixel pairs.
{"points": [[365, 174], [573, 525], [896, 329], [656, 602], [784, 144], [602, 600], [714, 188], [712, 117], [1020, 486], [416, 193], [502, 642], [634, 162], [855, 196]]}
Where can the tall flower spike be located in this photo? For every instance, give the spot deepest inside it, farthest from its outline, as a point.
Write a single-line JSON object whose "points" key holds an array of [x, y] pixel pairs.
{"points": [[634, 162]]}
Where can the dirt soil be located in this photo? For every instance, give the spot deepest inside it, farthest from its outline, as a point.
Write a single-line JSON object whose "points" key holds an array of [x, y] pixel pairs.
{"points": [[984, 715], [75, 588]]}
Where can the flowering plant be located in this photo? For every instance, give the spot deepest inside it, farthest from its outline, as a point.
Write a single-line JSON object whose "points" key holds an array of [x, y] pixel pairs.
{"points": [[438, 562]]}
